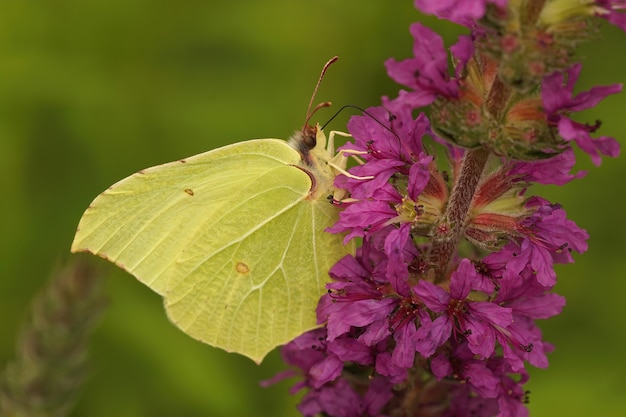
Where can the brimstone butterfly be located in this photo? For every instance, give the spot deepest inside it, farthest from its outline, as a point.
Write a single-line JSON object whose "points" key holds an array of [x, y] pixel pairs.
{"points": [[233, 239]]}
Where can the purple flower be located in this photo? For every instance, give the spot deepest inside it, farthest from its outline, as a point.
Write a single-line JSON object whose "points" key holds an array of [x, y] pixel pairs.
{"points": [[363, 298], [549, 237], [465, 403], [342, 400], [511, 395], [388, 151], [498, 393], [355, 299], [427, 72], [559, 102], [436, 312], [459, 11], [612, 10], [321, 361], [367, 216], [388, 135], [555, 170], [459, 316], [339, 399], [522, 340], [391, 143], [308, 353], [462, 364]]}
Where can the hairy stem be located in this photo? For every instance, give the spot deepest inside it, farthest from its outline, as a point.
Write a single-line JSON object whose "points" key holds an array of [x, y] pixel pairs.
{"points": [[452, 227], [453, 224]]}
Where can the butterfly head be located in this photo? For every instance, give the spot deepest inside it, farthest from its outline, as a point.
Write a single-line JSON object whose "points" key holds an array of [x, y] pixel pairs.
{"points": [[310, 142]]}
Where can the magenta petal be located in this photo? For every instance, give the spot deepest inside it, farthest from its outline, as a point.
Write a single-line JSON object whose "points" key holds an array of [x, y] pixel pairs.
{"points": [[492, 313], [541, 307], [380, 169], [288, 373], [616, 17], [481, 339], [326, 370], [433, 6], [351, 350], [463, 279], [397, 272], [419, 175], [347, 269], [377, 396], [593, 96], [558, 103], [440, 366], [428, 69], [428, 49], [463, 12], [340, 399], [386, 367], [357, 218], [404, 352], [570, 130], [555, 170], [431, 335], [607, 145], [482, 378], [409, 100], [375, 333], [358, 314], [462, 51], [435, 298]]}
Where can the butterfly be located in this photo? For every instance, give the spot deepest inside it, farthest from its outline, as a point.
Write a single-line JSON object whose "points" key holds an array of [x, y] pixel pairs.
{"points": [[233, 239]]}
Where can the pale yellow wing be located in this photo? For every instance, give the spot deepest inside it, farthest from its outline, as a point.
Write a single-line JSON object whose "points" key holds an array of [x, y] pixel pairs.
{"points": [[231, 239], [260, 288], [144, 222]]}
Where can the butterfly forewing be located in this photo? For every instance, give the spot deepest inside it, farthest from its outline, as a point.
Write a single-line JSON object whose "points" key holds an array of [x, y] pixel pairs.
{"points": [[144, 222]]}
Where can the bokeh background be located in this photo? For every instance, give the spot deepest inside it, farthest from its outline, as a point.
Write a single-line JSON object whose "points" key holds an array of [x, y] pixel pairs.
{"points": [[92, 91]]}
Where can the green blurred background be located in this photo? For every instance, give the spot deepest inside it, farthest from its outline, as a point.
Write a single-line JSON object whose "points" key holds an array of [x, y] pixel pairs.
{"points": [[94, 90]]}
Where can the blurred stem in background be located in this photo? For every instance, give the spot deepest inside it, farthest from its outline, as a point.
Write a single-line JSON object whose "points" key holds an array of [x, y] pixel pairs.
{"points": [[49, 367]]}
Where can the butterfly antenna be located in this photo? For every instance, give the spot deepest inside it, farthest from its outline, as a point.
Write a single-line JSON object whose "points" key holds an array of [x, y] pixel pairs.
{"points": [[309, 112], [371, 116], [362, 110]]}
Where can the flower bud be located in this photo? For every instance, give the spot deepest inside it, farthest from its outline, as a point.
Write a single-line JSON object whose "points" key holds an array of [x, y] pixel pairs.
{"points": [[518, 130], [533, 39]]}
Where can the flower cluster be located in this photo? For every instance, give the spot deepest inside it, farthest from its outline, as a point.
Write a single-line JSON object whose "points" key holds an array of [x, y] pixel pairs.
{"points": [[435, 314]]}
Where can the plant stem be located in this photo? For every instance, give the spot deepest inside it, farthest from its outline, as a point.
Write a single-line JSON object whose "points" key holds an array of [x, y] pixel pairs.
{"points": [[453, 224]]}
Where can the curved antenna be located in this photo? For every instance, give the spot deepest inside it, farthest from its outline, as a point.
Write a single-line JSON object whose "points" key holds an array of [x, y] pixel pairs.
{"points": [[309, 112], [371, 116], [362, 110]]}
